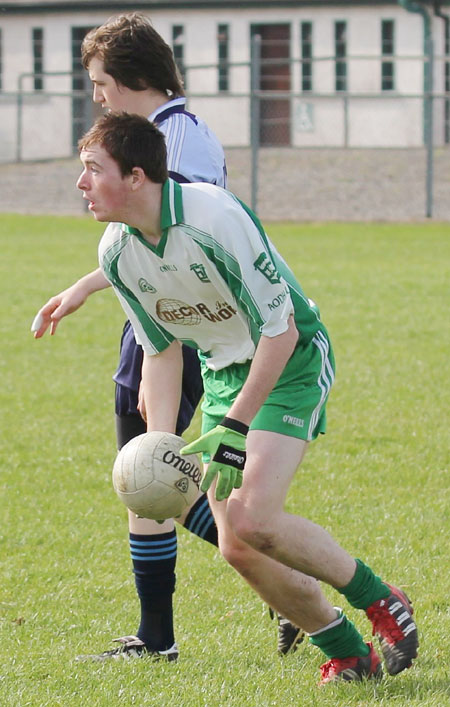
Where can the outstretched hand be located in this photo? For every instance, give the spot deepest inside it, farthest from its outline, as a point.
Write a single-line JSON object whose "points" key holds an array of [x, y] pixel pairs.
{"points": [[225, 447], [58, 307]]}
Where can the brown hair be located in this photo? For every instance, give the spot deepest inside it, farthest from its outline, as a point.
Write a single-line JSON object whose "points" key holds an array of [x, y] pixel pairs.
{"points": [[134, 54], [132, 141]]}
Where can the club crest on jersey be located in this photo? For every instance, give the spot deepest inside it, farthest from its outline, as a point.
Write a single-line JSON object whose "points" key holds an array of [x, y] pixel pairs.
{"points": [[145, 286], [267, 268], [200, 271]]}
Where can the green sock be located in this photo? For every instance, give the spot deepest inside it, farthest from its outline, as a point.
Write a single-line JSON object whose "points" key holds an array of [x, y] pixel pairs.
{"points": [[341, 640], [365, 587]]}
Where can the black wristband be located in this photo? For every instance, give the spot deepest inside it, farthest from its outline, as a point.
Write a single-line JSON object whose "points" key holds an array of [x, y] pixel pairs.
{"points": [[235, 425]]}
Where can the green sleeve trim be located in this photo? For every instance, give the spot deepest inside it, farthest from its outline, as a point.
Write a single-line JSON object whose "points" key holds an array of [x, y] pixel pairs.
{"points": [[157, 335]]}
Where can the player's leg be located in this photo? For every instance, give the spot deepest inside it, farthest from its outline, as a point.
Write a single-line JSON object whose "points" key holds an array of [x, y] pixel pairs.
{"points": [[256, 515], [300, 598], [153, 549], [256, 512], [293, 594], [297, 407], [294, 413], [253, 524]]}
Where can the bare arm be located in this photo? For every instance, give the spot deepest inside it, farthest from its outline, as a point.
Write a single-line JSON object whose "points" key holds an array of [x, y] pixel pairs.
{"points": [[271, 357], [226, 442], [69, 301], [160, 392]]}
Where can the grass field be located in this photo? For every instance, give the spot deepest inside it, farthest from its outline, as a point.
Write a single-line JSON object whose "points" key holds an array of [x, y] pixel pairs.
{"points": [[379, 480]]}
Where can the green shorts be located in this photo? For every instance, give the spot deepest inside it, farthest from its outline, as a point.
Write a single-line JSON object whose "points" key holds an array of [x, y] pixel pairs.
{"points": [[296, 405]]}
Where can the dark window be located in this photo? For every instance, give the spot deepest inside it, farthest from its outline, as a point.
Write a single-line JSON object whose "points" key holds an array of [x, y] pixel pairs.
{"points": [[84, 110], [222, 50], [447, 85], [275, 77], [387, 50], [38, 57], [447, 54], [1, 61], [178, 49], [340, 53], [306, 54]]}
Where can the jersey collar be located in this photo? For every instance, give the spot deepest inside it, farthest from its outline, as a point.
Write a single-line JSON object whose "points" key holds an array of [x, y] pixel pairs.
{"points": [[176, 105], [171, 214], [171, 205]]}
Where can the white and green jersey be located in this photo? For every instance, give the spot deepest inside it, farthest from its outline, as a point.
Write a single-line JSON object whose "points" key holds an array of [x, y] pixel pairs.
{"points": [[214, 281]]}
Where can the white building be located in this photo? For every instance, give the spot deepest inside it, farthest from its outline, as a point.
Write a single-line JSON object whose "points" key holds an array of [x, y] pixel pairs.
{"points": [[332, 73]]}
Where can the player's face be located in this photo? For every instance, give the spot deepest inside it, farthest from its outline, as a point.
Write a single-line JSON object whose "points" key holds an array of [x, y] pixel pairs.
{"points": [[102, 185], [107, 91]]}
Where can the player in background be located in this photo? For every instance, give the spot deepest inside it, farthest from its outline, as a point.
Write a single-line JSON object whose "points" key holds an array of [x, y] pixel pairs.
{"points": [[133, 69], [267, 367]]}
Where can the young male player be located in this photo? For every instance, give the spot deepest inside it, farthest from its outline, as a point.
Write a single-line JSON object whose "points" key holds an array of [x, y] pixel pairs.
{"points": [[216, 283], [133, 69]]}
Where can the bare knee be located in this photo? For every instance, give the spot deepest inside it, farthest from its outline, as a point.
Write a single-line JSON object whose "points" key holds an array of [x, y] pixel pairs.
{"points": [[250, 528], [237, 554]]}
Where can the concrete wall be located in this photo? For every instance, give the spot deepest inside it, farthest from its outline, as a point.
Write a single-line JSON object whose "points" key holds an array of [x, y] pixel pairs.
{"points": [[366, 120]]}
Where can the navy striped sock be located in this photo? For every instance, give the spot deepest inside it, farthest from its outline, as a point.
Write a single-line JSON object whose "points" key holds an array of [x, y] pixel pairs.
{"points": [[200, 521], [154, 558]]}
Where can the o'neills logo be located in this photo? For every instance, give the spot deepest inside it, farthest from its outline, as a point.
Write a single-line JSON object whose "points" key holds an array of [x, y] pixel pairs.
{"points": [[192, 471], [172, 311], [290, 420]]}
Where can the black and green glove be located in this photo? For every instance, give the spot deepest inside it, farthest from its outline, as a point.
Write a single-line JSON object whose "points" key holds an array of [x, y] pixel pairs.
{"points": [[225, 445]]}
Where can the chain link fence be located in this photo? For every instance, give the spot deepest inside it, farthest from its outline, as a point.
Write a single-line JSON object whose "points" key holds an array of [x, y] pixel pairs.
{"points": [[295, 155]]}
